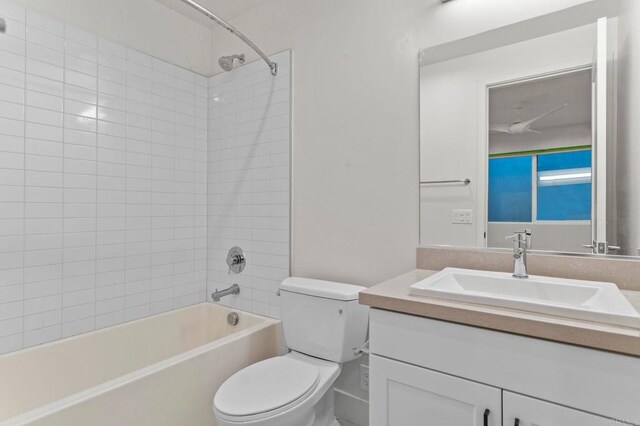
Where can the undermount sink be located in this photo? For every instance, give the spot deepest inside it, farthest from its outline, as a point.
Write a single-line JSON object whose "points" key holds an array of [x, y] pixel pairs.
{"points": [[583, 300]]}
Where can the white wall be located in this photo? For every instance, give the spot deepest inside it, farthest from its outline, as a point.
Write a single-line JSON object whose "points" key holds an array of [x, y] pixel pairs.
{"points": [[546, 236], [355, 119], [102, 182], [355, 206], [452, 146], [628, 194], [249, 182], [144, 25]]}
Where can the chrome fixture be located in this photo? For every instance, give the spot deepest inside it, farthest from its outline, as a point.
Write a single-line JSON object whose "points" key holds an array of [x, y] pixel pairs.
{"points": [[236, 260], [599, 247], [466, 181], [3, 25], [226, 62], [272, 65], [233, 318], [217, 295], [364, 349], [521, 243]]}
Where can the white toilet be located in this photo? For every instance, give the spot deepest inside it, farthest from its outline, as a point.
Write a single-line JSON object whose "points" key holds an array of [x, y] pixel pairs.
{"points": [[323, 323]]}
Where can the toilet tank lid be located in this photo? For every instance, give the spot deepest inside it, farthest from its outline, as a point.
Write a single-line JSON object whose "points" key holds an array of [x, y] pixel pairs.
{"points": [[319, 288]]}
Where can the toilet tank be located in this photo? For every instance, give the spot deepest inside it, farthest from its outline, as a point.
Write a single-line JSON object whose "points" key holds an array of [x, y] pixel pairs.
{"points": [[322, 318]]}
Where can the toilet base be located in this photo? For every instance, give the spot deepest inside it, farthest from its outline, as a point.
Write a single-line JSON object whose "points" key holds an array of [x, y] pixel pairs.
{"points": [[325, 414]]}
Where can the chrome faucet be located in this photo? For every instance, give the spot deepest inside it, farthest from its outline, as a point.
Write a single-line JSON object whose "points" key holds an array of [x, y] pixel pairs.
{"points": [[217, 295], [521, 243]]}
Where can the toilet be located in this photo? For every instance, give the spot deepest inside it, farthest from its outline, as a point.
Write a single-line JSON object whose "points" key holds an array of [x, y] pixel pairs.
{"points": [[323, 323]]}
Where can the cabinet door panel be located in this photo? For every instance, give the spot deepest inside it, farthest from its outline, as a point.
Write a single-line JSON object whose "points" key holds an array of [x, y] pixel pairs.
{"points": [[533, 412], [405, 395]]}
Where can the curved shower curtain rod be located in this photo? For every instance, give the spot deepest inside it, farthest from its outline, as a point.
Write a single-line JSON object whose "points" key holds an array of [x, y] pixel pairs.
{"points": [[272, 65]]}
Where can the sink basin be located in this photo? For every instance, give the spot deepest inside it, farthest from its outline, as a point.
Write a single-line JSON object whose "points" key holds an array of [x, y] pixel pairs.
{"points": [[583, 300]]}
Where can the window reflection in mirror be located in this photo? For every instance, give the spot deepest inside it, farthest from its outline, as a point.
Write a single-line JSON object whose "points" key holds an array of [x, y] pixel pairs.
{"points": [[539, 161]]}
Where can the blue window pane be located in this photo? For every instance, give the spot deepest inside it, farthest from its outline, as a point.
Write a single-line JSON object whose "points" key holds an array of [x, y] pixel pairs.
{"points": [[564, 186], [510, 189], [564, 160]]}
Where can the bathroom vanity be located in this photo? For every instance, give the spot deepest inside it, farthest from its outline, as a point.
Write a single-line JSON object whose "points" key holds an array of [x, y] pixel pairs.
{"points": [[523, 136], [437, 362]]}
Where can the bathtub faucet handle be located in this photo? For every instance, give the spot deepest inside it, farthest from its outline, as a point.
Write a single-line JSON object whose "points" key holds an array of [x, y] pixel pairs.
{"points": [[236, 260]]}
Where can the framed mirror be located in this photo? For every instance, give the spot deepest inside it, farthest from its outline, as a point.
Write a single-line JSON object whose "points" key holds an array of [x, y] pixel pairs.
{"points": [[528, 127]]}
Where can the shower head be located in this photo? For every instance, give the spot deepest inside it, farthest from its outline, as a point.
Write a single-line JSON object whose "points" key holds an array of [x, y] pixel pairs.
{"points": [[226, 62]]}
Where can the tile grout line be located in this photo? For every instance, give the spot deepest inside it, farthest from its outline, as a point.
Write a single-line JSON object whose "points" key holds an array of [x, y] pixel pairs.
{"points": [[96, 226], [64, 172], [24, 185]]}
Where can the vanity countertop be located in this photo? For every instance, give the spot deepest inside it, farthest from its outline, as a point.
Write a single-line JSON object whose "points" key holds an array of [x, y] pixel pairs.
{"points": [[393, 295]]}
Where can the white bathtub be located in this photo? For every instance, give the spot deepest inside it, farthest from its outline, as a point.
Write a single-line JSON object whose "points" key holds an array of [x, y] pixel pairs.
{"points": [[161, 370]]}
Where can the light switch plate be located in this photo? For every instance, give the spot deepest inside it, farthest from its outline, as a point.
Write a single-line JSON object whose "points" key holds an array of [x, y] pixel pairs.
{"points": [[462, 216]]}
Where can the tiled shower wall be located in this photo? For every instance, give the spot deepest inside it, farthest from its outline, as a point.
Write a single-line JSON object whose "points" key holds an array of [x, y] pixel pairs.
{"points": [[103, 182], [249, 181]]}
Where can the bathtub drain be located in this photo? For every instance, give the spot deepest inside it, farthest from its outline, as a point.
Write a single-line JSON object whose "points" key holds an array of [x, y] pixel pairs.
{"points": [[233, 318]]}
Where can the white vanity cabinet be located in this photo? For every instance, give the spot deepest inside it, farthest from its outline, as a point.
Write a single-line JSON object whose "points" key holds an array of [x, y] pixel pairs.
{"points": [[426, 372], [416, 396], [521, 410]]}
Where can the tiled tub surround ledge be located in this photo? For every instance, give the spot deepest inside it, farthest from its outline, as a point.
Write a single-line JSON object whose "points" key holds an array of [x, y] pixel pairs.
{"points": [[106, 154], [146, 372]]}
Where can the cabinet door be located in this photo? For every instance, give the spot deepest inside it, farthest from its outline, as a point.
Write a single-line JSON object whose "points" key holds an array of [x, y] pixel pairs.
{"points": [[405, 395], [520, 410]]}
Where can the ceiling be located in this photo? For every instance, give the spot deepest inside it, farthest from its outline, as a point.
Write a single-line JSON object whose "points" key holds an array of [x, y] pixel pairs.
{"points": [[226, 9], [530, 99]]}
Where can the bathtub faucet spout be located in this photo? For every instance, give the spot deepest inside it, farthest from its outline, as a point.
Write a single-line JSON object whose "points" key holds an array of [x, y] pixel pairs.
{"points": [[217, 295]]}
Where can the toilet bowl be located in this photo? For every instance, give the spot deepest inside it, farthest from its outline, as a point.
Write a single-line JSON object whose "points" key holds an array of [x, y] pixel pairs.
{"points": [[323, 323], [290, 390]]}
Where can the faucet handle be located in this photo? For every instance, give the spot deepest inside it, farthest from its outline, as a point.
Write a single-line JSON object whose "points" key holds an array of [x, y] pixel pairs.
{"points": [[236, 260], [521, 236]]}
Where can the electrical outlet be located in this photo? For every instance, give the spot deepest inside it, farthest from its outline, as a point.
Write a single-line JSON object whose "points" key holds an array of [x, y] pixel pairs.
{"points": [[364, 377], [460, 216]]}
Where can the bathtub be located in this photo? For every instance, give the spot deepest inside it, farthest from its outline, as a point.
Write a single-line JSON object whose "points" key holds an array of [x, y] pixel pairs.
{"points": [[161, 370]]}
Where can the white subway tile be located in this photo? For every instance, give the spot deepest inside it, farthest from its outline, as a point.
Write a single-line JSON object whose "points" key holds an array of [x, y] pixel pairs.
{"points": [[81, 36], [81, 94], [11, 10], [11, 127], [44, 85], [43, 116], [41, 320], [80, 65], [15, 29], [12, 44], [44, 70], [42, 335], [12, 94], [44, 23], [45, 54], [81, 51], [13, 61], [36, 130], [82, 80]]}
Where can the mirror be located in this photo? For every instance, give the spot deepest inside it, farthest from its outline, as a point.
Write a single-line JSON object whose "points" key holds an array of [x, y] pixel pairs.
{"points": [[522, 128]]}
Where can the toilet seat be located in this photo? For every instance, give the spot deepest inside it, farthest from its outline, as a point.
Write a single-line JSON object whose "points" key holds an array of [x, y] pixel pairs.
{"points": [[266, 388]]}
